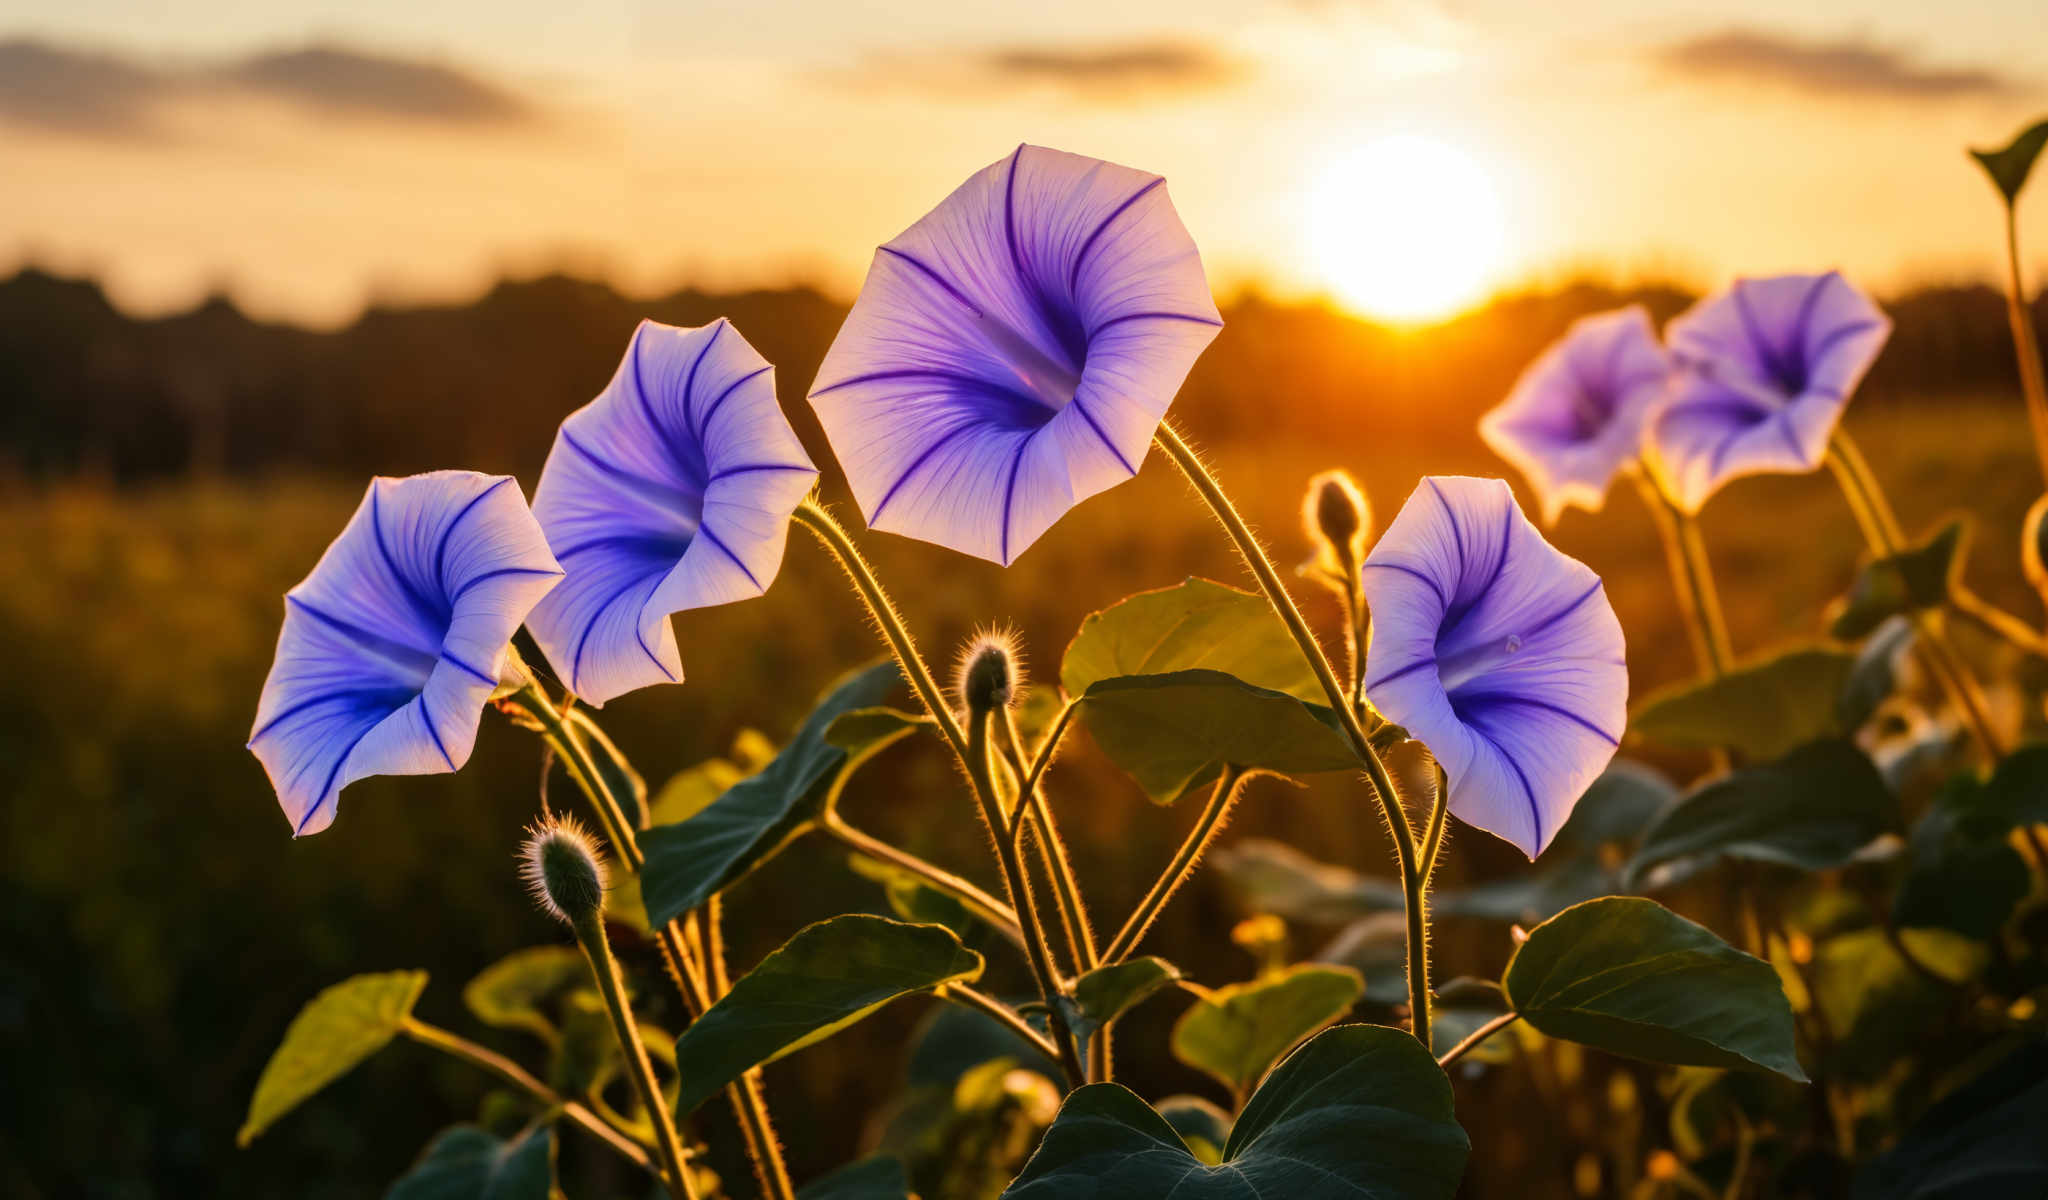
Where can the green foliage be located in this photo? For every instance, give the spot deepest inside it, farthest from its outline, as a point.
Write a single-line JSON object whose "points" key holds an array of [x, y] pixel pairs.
{"points": [[1203, 1126], [1106, 993], [1361, 1111], [519, 990], [756, 817], [1962, 874], [2009, 166], [1760, 710], [1918, 577], [1194, 625], [467, 1163], [916, 901], [1274, 877], [864, 730], [1634, 978], [1235, 1033], [339, 1028], [1172, 732], [878, 1178], [1988, 1138], [827, 977], [1876, 1002], [1813, 809]]}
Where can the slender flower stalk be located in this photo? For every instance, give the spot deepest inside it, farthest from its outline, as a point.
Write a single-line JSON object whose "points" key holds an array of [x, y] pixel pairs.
{"points": [[1692, 574], [984, 906], [1473, 1039], [1881, 530], [517, 1076], [590, 935], [1052, 851], [2026, 346], [1003, 1015], [1413, 880], [684, 963], [1206, 826]]}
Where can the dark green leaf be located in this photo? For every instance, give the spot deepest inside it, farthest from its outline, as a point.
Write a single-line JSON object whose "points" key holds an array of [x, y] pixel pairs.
{"points": [[1813, 810], [1171, 732], [1988, 1138], [693, 789], [339, 1028], [872, 1179], [1760, 710], [916, 901], [1876, 1004], [1874, 675], [1616, 808], [1361, 1111], [756, 817], [1376, 947], [520, 990], [1273, 877], [1962, 874], [864, 728], [1235, 1033], [1632, 977], [619, 776], [1195, 625], [2009, 166], [466, 1163], [953, 1038], [1914, 579], [1203, 1126], [827, 977], [1106, 993]]}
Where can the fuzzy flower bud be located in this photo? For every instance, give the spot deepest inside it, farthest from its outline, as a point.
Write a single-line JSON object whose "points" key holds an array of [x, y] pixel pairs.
{"points": [[564, 870], [990, 673], [1336, 516]]}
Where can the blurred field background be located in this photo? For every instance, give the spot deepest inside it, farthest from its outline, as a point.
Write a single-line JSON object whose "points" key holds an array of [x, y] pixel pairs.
{"points": [[163, 481]]}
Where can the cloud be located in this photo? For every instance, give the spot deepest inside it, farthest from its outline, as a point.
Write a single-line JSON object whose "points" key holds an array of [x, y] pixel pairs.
{"points": [[1848, 66], [1109, 72], [101, 93]]}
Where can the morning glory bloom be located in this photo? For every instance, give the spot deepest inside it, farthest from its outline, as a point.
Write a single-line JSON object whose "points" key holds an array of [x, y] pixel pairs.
{"points": [[1012, 353], [393, 644], [1498, 652], [1576, 415], [1764, 371], [672, 490]]}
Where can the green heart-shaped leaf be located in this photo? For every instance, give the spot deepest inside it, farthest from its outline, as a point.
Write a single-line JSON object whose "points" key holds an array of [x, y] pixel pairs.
{"points": [[879, 1178], [1962, 874], [466, 1163], [2010, 166], [1235, 1033], [339, 1028], [1916, 578], [1360, 1112], [756, 817], [1760, 710], [1171, 732], [519, 991], [1632, 977], [1195, 625], [1814, 809], [827, 977], [1106, 993], [1203, 1126]]}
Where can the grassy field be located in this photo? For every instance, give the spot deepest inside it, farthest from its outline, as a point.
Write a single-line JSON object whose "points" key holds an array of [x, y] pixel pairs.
{"points": [[158, 926]]}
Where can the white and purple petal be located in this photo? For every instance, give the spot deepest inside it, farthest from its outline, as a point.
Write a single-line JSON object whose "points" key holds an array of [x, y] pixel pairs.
{"points": [[1764, 371], [1012, 353], [394, 642], [1575, 417], [1498, 652], [672, 490]]}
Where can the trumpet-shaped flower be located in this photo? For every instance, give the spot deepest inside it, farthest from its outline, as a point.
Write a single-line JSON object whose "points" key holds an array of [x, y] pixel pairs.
{"points": [[393, 644], [1575, 417], [1764, 370], [1012, 353], [672, 490], [1498, 652]]}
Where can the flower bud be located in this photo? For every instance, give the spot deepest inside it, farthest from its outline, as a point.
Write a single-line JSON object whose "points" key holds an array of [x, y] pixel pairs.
{"points": [[1336, 516], [2034, 546], [989, 675], [563, 869]]}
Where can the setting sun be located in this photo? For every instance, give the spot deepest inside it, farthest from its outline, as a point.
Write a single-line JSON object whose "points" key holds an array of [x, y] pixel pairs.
{"points": [[1405, 228]]}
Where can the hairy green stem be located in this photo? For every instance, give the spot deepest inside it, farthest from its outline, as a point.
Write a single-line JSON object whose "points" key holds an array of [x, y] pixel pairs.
{"points": [[1052, 851], [2026, 347], [1177, 871], [980, 903], [597, 951], [1004, 1015], [516, 1075], [1477, 1036], [1692, 574]]}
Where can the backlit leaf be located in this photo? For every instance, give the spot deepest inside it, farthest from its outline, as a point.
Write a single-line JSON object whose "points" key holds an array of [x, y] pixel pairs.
{"points": [[2008, 167], [1916, 578], [1760, 710], [520, 990], [340, 1028], [1171, 732], [1106, 993], [1235, 1033]]}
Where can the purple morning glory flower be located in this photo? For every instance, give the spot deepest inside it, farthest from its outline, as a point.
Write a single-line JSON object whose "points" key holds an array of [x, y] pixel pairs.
{"points": [[393, 644], [1498, 652], [1012, 353], [1576, 415], [1764, 371], [672, 490]]}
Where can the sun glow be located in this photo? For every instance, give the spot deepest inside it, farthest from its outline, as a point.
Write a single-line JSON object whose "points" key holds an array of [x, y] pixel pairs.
{"points": [[1405, 228]]}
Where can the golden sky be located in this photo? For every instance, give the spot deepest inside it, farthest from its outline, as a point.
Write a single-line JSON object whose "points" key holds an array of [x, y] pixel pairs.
{"points": [[1405, 156]]}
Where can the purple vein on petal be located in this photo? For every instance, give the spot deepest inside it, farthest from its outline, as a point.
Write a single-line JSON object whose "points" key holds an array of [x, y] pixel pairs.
{"points": [[690, 380], [333, 773], [477, 581], [427, 719], [1010, 492], [1405, 569], [730, 388], [1081, 255], [1113, 322], [755, 469], [1840, 334], [633, 481], [390, 647], [1399, 673], [1080, 407], [935, 277], [441, 551], [1471, 699], [482, 675], [915, 465], [713, 538], [1544, 626], [419, 602]]}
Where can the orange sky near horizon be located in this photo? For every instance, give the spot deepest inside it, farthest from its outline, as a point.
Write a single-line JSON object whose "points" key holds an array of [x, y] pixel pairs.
{"points": [[427, 150]]}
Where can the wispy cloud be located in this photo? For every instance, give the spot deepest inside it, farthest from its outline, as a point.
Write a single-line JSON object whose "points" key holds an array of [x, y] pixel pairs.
{"points": [[101, 93], [1107, 72], [1849, 66]]}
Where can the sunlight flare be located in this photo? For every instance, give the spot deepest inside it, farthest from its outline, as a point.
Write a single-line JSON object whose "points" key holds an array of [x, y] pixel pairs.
{"points": [[1405, 228]]}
